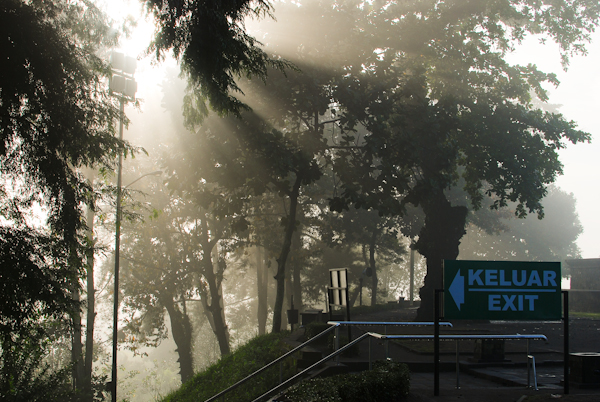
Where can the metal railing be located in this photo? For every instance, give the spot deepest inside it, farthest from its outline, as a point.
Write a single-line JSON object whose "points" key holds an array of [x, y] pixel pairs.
{"points": [[259, 371], [385, 324], [457, 338], [335, 325], [293, 379], [338, 351]]}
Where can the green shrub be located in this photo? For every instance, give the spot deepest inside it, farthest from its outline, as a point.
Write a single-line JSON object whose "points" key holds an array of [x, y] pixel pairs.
{"points": [[248, 358], [388, 381], [315, 328], [25, 376]]}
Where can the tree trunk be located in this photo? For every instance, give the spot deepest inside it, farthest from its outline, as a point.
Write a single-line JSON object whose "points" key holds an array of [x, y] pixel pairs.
{"points": [[212, 298], [285, 250], [353, 295], [215, 311], [262, 291], [91, 309], [182, 335], [296, 269], [374, 278], [69, 219], [76, 345], [438, 240]]}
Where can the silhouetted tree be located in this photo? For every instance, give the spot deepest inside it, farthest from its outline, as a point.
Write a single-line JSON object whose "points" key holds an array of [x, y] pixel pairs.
{"points": [[441, 103], [55, 118]]}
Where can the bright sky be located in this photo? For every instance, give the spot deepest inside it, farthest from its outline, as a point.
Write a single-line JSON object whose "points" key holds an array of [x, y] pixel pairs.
{"points": [[578, 94]]}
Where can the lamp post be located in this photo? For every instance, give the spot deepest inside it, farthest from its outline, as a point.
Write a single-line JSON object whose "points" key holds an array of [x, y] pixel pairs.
{"points": [[123, 84]]}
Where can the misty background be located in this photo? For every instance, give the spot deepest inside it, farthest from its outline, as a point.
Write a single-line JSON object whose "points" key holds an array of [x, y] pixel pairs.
{"points": [[198, 282], [152, 126]]}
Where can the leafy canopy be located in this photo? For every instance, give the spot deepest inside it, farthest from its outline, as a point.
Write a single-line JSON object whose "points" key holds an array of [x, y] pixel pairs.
{"points": [[55, 117], [214, 49]]}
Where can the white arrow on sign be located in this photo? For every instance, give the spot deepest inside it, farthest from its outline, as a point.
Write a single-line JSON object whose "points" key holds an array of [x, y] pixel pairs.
{"points": [[457, 289]]}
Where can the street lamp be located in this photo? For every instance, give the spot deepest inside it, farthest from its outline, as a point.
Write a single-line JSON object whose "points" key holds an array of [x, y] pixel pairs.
{"points": [[116, 291], [123, 84]]}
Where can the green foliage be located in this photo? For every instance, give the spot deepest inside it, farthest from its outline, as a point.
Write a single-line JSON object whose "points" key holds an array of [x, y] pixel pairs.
{"points": [[55, 111], [388, 381], [244, 361], [441, 103], [34, 279], [214, 50], [25, 377], [55, 117]]}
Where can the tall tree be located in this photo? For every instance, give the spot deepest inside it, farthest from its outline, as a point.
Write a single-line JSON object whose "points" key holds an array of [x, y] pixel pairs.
{"points": [[442, 103], [243, 159], [155, 279], [175, 257], [55, 118]]}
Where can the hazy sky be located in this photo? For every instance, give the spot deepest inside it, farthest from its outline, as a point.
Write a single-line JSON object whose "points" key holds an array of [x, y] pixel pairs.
{"points": [[578, 94]]}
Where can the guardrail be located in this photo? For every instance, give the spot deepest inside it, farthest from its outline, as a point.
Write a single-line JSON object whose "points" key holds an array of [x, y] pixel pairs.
{"points": [[298, 376], [278, 360], [457, 338], [334, 326], [385, 324]]}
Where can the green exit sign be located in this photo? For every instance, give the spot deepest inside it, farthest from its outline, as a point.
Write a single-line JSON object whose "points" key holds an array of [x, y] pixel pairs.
{"points": [[502, 290]]}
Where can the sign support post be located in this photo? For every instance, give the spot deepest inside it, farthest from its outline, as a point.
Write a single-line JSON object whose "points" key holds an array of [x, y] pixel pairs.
{"points": [[436, 343], [338, 293], [504, 290], [566, 340]]}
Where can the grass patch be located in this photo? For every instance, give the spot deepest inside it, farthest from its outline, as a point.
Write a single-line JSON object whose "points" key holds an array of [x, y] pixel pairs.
{"points": [[248, 358], [578, 314], [388, 381]]}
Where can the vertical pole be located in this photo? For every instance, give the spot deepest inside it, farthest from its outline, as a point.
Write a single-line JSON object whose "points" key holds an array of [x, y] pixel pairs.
{"points": [[370, 365], [436, 343], [457, 364], [387, 348], [348, 310], [117, 247], [337, 343], [387, 344], [528, 366], [412, 274], [566, 340], [328, 302]]}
